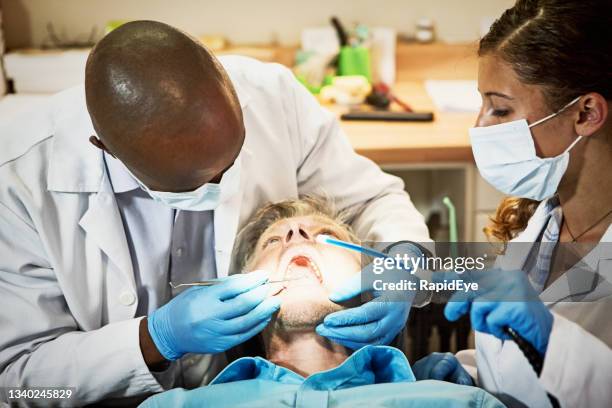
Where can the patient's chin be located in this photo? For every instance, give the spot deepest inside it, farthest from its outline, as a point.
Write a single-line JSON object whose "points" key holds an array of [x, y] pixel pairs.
{"points": [[305, 314]]}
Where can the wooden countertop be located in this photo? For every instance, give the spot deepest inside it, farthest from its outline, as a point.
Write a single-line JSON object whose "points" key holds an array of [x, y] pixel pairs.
{"points": [[443, 140]]}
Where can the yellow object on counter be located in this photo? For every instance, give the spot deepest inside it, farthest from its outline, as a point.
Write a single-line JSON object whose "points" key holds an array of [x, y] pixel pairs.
{"points": [[346, 90]]}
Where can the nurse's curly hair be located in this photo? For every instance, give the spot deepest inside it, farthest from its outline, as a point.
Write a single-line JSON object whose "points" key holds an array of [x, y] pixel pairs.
{"points": [[563, 46]]}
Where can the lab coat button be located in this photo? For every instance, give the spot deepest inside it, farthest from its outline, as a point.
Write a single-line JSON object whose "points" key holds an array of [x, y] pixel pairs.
{"points": [[127, 298]]}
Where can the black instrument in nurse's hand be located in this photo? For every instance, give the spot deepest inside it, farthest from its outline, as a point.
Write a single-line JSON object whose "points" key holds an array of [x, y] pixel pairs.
{"points": [[533, 356]]}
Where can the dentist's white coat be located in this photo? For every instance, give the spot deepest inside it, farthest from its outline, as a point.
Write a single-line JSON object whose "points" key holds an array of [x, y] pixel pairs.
{"points": [[578, 363], [67, 287]]}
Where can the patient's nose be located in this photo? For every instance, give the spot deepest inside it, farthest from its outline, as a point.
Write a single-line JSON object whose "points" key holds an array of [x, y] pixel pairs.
{"points": [[297, 234]]}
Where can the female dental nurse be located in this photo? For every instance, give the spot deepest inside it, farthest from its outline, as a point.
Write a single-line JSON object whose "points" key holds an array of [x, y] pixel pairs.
{"points": [[544, 137]]}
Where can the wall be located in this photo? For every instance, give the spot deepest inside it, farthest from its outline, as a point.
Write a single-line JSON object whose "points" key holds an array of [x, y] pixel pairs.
{"points": [[244, 21]]}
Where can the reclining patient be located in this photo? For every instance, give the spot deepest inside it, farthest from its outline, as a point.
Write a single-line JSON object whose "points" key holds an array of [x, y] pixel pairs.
{"points": [[301, 368]]}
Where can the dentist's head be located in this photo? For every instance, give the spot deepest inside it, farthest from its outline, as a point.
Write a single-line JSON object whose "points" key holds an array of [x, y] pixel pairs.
{"points": [[545, 76], [164, 106]]}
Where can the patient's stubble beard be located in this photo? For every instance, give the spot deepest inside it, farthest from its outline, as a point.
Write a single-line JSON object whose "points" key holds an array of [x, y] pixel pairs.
{"points": [[304, 315]]}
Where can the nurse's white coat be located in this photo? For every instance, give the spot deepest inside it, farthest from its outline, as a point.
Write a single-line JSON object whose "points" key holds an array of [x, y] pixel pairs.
{"points": [[67, 290], [578, 363]]}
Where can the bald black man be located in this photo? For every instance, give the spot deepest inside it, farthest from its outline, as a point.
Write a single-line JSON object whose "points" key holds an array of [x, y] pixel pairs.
{"points": [[142, 177]]}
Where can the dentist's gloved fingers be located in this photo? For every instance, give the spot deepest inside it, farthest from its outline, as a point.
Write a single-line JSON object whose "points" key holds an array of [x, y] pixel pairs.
{"points": [[347, 338], [455, 309], [241, 283], [240, 338], [365, 333], [449, 369], [498, 319], [459, 304], [479, 313], [245, 323], [368, 312], [460, 376], [443, 368], [348, 289], [244, 302], [485, 280], [352, 345], [433, 367]]}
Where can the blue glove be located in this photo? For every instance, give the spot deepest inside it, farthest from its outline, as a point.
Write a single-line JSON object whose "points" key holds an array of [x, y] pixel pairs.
{"points": [[213, 319], [375, 322], [504, 299], [443, 367]]}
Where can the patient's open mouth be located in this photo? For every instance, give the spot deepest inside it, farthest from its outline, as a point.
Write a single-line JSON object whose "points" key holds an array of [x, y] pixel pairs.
{"points": [[302, 267]]}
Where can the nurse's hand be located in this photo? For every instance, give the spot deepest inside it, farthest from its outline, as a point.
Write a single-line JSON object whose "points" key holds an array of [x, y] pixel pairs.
{"points": [[442, 367], [213, 319], [375, 322], [504, 299]]}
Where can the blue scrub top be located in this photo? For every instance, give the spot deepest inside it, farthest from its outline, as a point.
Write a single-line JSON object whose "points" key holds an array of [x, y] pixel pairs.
{"points": [[371, 376]]}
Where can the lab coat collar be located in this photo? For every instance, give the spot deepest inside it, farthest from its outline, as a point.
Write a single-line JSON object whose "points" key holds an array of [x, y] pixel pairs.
{"points": [[368, 365], [102, 224], [75, 165], [121, 179], [595, 261], [516, 255]]}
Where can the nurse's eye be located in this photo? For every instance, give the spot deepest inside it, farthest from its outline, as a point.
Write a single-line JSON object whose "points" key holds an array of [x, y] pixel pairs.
{"points": [[500, 113], [270, 241]]}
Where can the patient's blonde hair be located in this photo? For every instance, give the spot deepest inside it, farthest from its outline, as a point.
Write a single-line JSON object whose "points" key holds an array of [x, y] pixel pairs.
{"points": [[308, 205]]}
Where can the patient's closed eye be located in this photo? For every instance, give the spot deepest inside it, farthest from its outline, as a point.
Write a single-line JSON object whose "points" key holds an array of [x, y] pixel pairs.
{"points": [[327, 231], [270, 241]]}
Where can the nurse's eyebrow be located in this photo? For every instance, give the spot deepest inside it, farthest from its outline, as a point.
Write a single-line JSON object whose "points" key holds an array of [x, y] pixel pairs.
{"points": [[499, 94]]}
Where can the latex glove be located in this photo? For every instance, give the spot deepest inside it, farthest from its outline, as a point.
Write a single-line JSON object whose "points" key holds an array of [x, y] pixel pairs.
{"points": [[375, 322], [443, 367], [213, 319], [504, 298]]}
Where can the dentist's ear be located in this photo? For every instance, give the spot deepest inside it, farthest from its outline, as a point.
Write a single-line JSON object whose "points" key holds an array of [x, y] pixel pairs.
{"points": [[593, 114], [98, 143]]}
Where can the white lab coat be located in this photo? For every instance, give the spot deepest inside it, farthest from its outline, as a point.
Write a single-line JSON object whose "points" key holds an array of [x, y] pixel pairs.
{"points": [[578, 362], [67, 291]]}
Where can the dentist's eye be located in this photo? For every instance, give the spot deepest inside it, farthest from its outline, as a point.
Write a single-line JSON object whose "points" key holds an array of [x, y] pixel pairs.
{"points": [[270, 241]]}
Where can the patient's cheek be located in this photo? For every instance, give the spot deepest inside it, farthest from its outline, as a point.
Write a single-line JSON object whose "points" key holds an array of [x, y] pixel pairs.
{"points": [[339, 268]]}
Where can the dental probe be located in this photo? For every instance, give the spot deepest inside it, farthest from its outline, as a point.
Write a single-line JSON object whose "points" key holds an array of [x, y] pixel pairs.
{"points": [[419, 302], [211, 282], [326, 239]]}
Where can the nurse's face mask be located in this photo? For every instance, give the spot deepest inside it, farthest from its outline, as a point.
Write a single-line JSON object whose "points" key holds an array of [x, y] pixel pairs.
{"points": [[506, 157], [206, 197]]}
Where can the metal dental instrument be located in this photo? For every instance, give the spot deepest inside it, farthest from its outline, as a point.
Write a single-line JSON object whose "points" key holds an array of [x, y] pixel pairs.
{"points": [[211, 282]]}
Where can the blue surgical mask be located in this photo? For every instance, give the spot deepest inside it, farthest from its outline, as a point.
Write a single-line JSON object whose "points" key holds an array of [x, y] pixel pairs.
{"points": [[506, 157], [206, 197]]}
